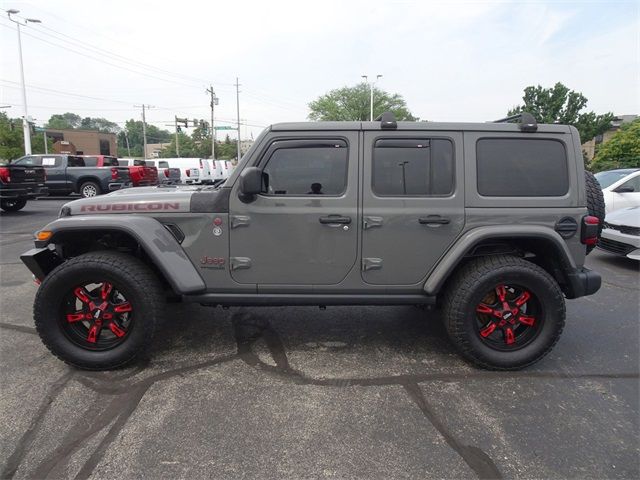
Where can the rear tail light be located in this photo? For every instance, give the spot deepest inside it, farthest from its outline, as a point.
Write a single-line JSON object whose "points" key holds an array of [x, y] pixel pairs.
{"points": [[5, 174], [589, 231], [166, 172], [200, 163], [188, 172], [114, 173]]}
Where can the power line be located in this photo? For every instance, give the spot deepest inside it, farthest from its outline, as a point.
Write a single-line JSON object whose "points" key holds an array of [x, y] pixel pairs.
{"points": [[84, 44], [102, 61]]}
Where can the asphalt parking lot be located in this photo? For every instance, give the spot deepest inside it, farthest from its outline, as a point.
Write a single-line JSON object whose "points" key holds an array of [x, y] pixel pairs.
{"points": [[305, 393]]}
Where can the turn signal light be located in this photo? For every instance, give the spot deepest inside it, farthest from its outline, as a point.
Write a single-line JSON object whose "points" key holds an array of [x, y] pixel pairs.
{"points": [[44, 235]]}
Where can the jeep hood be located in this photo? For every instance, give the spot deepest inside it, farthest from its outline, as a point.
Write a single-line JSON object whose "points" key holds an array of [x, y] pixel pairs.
{"points": [[134, 200]]}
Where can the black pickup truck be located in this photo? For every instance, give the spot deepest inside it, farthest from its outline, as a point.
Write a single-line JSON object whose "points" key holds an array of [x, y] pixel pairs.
{"points": [[20, 183], [68, 174]]}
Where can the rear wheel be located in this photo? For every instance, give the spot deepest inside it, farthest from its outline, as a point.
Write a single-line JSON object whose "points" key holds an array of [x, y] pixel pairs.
{"points": [[13, 204], [90, 189], [99, 310], [503, 313]]}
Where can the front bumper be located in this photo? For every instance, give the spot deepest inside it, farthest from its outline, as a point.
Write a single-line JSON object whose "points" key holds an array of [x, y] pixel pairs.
{"points": [[24, 191], [40, 261], [619, 243], [582, 282]]}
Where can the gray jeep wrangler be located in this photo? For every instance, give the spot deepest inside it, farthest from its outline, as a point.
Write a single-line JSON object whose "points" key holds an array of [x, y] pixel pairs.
{"points": [[490, 222]]}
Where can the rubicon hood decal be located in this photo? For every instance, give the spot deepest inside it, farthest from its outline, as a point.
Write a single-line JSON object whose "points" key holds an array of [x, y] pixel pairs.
{"points": [[142, 201], [130, 207]]}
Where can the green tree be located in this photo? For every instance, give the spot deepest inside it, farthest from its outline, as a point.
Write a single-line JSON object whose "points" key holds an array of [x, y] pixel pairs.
{"points": [[227, 149], [353, 103], [100, 124], [12, 139], [133, 131], [622, 150], [561, 105], [64, 121]]}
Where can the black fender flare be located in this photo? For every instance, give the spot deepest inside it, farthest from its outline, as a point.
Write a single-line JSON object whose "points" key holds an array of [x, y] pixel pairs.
{"points": [[157, 242], [470, 239]]}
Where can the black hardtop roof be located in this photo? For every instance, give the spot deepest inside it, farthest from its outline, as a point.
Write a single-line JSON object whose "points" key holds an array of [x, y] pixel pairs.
{"points": [[417, 126]]}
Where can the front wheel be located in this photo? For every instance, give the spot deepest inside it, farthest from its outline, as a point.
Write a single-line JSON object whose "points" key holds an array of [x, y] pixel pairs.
{"points": [[99, 310], [503, 312], [13, 204]]}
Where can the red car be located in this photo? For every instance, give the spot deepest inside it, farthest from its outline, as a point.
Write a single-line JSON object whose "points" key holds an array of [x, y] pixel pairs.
{"points": [[142, 175]]}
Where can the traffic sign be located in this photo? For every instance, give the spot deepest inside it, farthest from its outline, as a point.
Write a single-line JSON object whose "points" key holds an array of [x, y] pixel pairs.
{"points": [[225, 127]]}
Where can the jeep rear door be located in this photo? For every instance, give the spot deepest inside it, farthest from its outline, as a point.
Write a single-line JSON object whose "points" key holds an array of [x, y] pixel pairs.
{"points": [[302, 230], [413, 203]]}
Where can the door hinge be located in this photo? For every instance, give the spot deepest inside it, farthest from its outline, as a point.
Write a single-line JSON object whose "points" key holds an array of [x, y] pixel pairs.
{"points": [[371, 264], [240, 263], [371, 222], [240, 220]]}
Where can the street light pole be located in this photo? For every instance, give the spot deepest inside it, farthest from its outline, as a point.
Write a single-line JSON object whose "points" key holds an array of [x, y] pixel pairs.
{"points": [[371, 85], [25, 119]]}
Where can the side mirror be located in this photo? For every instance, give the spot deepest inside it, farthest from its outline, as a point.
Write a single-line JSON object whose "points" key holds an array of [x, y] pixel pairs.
{"points": [[250, 182], [624, 189]]}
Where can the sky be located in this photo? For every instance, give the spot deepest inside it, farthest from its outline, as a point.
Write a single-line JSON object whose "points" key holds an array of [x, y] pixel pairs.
{"points": [[450, 60]]}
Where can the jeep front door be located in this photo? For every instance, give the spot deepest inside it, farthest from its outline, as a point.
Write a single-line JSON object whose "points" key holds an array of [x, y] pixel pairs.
{"points": [[302, 228], [413, 203]]}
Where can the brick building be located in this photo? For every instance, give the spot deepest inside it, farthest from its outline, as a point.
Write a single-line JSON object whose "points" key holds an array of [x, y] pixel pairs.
{"points": [[87, 142]]}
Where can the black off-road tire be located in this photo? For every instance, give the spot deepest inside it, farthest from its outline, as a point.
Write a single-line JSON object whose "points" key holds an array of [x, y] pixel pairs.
{"points": [[13, 205], [595, 202], [468, 288], [129, 276], [87, 188]]}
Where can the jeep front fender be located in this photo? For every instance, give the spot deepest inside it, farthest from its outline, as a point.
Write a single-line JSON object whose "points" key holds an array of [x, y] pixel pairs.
{"points": [[157, 242], [473, 237]]}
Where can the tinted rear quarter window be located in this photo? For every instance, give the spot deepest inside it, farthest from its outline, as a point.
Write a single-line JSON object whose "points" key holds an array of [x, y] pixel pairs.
{"points": [[519, 167]]}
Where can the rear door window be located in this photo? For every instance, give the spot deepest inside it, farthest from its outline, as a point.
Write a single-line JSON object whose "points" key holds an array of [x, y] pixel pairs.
{"points": [[520, 167], [412, 167], [90, 161]]}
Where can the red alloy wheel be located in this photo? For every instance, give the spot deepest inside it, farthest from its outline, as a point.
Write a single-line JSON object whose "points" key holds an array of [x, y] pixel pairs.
{"points": [[96, 316], [509, 317]]}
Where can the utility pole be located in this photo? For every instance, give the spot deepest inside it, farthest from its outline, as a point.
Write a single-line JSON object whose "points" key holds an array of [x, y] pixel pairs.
{"points": [[46, 147], [25, 119], [371, 84], [214, 102], [177, 140], [238, 112], [144, 128], [126, 137]]}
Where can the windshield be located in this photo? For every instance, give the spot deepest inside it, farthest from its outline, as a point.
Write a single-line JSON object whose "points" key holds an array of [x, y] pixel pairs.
{"points": [[606, 179]]}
